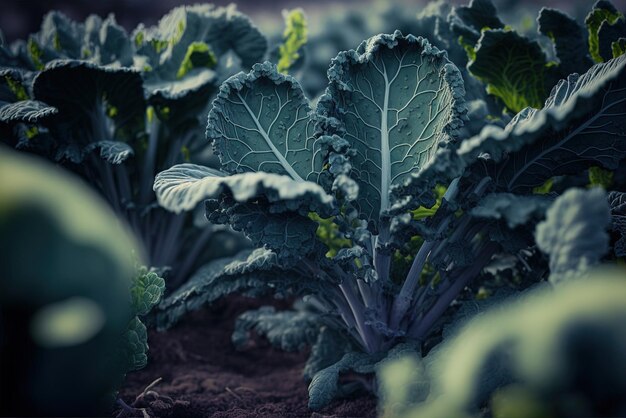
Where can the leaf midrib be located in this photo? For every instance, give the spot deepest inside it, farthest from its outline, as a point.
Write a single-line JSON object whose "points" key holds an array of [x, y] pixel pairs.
{"points": [[385, 172], [281, 158]]}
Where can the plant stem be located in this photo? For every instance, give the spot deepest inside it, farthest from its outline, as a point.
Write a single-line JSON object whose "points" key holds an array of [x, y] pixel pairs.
{"points": [[382, 255], [123, 180], [421, 328], [366, 293], [358, 310], [191, 257], [402, 301], [149, 164], [109, 183], [167, 243]]}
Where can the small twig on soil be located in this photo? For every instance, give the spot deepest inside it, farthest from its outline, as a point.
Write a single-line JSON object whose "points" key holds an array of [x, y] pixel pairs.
{"points": [[131, 409], [151, 385], [246, 389], [229, 390]]}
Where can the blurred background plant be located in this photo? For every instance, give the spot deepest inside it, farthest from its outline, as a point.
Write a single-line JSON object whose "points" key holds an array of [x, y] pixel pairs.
{"points": [[116, 109], [24, 17], [550, 353], [71, 294], [554, 350]]}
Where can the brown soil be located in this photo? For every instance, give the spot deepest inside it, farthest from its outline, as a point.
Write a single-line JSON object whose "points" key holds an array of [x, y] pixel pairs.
{"points": [[204, 376]]}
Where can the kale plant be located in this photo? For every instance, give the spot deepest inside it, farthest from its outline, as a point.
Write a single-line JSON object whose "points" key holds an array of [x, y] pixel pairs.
{"points": [[386, 136]]}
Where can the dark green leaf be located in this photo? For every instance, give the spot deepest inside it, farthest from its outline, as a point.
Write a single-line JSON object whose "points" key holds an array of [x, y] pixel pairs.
{"points": [[467, 22], [569, 41], [513, 68], [95, 104], [583, 117]]}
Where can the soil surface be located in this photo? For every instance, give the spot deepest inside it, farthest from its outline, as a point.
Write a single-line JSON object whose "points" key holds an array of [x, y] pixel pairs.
{"points": [[202, 375]]}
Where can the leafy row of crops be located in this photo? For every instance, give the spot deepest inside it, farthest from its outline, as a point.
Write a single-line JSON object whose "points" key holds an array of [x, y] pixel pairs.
{"points": [[452, 170]]}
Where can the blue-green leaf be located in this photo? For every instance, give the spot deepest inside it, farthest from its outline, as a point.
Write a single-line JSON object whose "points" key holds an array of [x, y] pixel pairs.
{"points": [[261, 121], [324, 386], [162, 50], [617, 203], [515, 210], [113, 152], [399, 99], [28, 111], [290, 234], [251, 273], [106, 42], [60, 36], [222, 28], [286, 330], [328, 349], [183, 186]]}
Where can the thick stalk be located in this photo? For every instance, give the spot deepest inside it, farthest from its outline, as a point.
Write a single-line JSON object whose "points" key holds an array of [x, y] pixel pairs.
{"points": [[358, 310], [452, 190], [109, 182], [382, 264], [151, 231], [366, 293], [350, 306], [482, 186], [123, 180], [402, 301], [192, 256], [164, 249], [173, 156], [346, 315], [382, 255], [421, 328], [456, 235]]}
